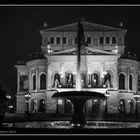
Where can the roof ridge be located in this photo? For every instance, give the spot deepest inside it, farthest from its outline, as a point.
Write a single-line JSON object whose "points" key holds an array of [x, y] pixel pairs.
{"points": [[90, 26]]}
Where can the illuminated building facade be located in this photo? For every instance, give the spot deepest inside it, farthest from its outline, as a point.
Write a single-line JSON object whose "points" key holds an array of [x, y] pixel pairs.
{"points": [[104, 66]]}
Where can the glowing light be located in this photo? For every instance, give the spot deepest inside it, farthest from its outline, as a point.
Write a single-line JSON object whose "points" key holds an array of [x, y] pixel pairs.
{"points": [[8, 97], [49, 51], [116, 49], [107, 94], [103, 74], [11, 106], [48, 46], [75, 73], [60, 102], [89, 73], [95, 100]]}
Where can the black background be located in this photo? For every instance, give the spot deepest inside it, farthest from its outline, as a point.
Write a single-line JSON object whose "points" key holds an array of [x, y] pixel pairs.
{"points": [[20, 25]]}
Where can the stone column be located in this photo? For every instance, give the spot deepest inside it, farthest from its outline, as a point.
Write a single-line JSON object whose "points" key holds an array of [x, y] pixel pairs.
{"points": [[18, 82], [115, 76], [30, 81], [37, 79], [135, 81], [128, 73]]}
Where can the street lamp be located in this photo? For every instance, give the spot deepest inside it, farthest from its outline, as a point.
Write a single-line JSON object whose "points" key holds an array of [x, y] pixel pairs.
{"points": [[8, 102], [136, 96], [8, 97], [27, 97]]}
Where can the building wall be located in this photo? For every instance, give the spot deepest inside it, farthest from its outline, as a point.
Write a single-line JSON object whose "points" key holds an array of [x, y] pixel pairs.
{"points": [[129, 67], [62, 64]]}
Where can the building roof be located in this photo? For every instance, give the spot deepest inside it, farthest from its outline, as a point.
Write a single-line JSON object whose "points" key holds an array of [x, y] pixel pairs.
{"points": [[87, 26]]}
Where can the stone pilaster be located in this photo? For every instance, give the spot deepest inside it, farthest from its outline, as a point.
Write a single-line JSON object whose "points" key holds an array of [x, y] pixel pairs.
{"points": [[37, 79], [128, 74], [18, 82]]}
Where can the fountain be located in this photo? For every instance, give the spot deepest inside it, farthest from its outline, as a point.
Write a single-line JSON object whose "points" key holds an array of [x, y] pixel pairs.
{"points": [[79, 97]]}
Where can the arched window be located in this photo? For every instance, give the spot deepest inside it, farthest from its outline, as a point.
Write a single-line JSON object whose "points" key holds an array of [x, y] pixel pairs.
{"points": [[34, 82], [107, 80], [56, 80], [130, 82], [41, 106], [121, 81], [69, 79], [83, 80], [94, 80], [43, 81]]}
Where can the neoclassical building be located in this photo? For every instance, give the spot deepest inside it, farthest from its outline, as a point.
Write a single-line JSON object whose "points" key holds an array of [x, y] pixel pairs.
{"points": [[104, 66]]}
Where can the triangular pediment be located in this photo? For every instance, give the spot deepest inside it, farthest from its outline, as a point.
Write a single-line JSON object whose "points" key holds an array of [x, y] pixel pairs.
{"points": [[63, 52], [87, 26], [88, 51], [98, 51]]}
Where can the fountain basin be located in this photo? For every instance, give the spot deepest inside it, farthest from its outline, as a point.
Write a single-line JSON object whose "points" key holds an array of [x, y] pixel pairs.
{"points": [[78, 99]]}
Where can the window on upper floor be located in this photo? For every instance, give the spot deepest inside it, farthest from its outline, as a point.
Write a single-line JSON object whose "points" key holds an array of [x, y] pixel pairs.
{"points": [[58, 40], [75, 40], [107, 40], [34, 82], [122, 81], [130, 82], [51, 40], [64, 40], [88, 41], [94, 80], [23, 83], [43, 81], [114, 41], [101, 40]]}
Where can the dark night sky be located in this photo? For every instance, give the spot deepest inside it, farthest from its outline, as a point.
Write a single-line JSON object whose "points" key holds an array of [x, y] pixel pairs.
{"points": [[20, 25]]}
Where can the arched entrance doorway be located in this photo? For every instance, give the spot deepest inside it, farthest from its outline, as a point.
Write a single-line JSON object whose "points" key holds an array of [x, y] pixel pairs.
{"points": [[83, 80], [108, 80], [122, 106], [41, 106], [95, 107], [68, 107], [56, 80], [94, 80], [69, 80]]}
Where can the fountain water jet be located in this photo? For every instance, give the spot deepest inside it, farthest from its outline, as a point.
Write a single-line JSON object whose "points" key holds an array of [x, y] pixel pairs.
{"points": [[79, 97]]}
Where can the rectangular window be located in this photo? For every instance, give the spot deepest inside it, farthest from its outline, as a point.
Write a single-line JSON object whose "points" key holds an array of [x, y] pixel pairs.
{"points": [[64, 40], [88, 40], [101, 40], [52, 40], [23, 83], [58, 40], [75, 40], [107, 40], [114, 40]]}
